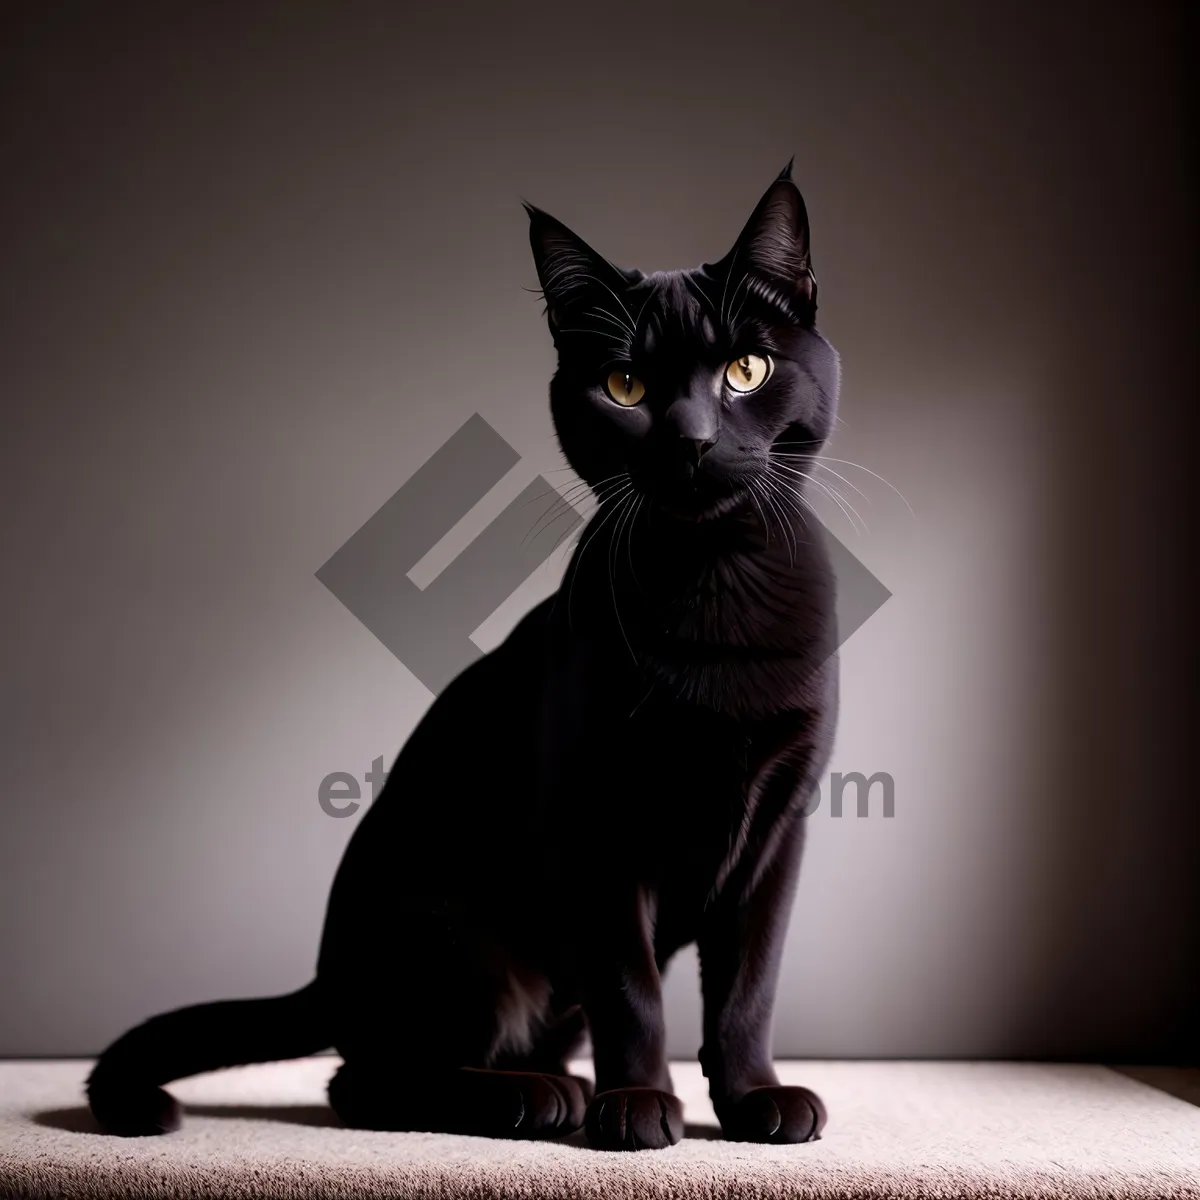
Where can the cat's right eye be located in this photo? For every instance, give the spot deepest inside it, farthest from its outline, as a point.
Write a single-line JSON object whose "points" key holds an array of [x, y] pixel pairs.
{"points": [[627, 390], [748, 373]]}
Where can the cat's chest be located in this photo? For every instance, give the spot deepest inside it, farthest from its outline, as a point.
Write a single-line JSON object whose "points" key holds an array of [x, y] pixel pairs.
{"points": [[646, 770]]}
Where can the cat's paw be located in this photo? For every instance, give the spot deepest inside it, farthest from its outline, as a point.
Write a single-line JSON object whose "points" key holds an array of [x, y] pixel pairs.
{"points": [[779, 1115], [507, 1104], [516, 1104], [634, 1119], [551, 1105]]}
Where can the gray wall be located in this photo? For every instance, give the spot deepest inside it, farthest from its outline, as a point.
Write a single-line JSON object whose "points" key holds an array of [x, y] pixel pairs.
{"points": [[235, 242]]}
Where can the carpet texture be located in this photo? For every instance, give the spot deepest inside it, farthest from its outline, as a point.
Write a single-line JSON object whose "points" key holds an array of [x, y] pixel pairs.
{"points": [[895, 1130]]}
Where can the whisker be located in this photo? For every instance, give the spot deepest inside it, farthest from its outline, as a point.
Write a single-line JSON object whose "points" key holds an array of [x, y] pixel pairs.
{"points": [[793, 496], [847, 462], [553, 491], [725, 285], [848, 510], [641, 701], [554, 512], [629, 541], [621, 346], [771, 489], [613, 550], [820, 462], [595, 279], [734, 317], [762, 518], [584, 544], [567, 500], [577, 530], [607, 316], [642, 311]]}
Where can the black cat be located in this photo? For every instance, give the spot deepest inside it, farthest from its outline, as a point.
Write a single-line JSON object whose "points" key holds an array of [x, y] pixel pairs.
{"points": [[627, 773]]}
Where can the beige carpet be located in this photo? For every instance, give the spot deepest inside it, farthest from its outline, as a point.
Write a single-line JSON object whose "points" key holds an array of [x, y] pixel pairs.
{"points": [[895, 1129]]}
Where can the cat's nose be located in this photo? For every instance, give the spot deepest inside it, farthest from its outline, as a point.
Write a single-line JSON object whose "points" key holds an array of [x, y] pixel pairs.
{"points": [[694, 449]]}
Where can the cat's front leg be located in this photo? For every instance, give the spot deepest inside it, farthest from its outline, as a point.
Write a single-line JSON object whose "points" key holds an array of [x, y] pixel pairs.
{"points": [[741, 944], [634, 1107]]}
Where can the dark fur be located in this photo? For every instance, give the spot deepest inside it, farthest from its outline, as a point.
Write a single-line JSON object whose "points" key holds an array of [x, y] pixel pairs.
{"points": [[625, 775]]}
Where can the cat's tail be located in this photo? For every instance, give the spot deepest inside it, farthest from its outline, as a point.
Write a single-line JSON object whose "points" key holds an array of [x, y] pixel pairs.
{"points": [[124, 1090]]}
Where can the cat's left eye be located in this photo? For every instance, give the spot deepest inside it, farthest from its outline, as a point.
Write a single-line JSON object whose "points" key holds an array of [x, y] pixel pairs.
{"points": [[627, 390], [748, 373]]}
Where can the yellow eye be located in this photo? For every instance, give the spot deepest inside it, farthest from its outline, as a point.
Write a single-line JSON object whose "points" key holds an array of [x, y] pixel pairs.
{"points": [[624, 388], [748, 373]]}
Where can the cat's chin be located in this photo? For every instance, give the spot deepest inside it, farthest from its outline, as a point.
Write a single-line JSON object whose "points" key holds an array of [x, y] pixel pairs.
{"points": [[695, 510]]}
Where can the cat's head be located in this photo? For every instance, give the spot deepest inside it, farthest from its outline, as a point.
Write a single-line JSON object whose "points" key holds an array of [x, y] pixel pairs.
{"points": [[690, 383]]}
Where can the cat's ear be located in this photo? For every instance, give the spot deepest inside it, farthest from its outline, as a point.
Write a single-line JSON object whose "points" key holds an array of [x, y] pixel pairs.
{"points": [[568, 269], [774, 247]]}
